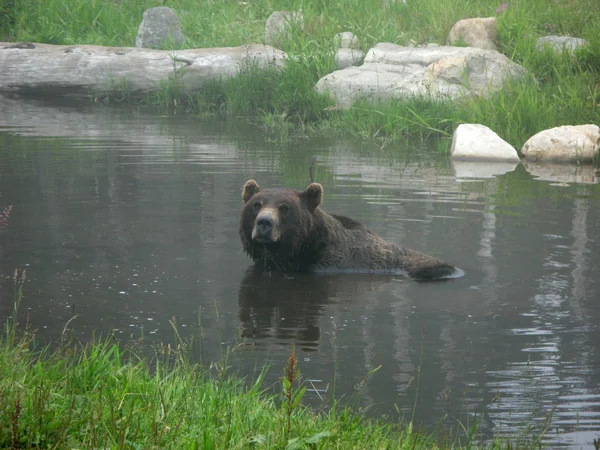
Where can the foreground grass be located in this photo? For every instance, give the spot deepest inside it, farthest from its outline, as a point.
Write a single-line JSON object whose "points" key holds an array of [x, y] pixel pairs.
{"points": [[562, 90], [100, 395]]}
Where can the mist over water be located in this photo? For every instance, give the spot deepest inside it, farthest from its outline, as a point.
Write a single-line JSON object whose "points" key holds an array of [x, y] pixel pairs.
{"points": [[130, 221]]}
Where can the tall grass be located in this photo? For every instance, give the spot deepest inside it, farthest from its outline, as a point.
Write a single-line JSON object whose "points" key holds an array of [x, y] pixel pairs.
{"points": [[215, 23], [562, 89]]}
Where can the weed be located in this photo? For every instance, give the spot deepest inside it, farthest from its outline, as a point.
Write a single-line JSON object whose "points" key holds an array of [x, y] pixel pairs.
{"points": [[292, 395], [15, 442]]}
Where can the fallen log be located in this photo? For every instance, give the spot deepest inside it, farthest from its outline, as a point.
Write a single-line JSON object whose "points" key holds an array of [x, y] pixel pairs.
{"points": [[91, 70]]}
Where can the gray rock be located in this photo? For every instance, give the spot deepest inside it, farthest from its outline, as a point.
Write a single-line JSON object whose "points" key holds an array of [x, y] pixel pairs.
{"points": [[478, 142], [346, 57], [478, 32], [560, 44], [279, 26], [159, 26], [394, 71], [568, 143], [345, 40]]}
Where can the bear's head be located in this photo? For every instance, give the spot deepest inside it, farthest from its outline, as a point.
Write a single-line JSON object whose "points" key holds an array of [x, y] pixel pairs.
{"points": [[277, 221]]}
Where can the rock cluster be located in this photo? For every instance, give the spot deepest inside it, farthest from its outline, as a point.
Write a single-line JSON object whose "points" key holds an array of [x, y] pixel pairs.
{"points": [[395, 71], [543, 153]]}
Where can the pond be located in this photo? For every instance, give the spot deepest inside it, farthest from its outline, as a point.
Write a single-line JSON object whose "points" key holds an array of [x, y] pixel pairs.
{"points": [[128, 223]]}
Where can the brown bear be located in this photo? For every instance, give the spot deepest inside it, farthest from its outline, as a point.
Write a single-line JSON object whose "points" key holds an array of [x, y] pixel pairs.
{"points": [[286, 230]]}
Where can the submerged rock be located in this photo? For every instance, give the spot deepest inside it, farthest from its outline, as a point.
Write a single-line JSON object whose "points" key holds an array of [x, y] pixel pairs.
{"points": [[568, 143], [478, 32], [478, 142], [160, 26], [393, 71]]}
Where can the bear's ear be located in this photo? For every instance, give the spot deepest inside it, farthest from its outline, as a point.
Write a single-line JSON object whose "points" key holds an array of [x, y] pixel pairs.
{"points": [[250, 188], [313, 195]]}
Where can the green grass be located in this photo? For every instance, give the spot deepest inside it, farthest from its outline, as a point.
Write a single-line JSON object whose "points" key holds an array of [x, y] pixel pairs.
{"points": [[562, 90]]}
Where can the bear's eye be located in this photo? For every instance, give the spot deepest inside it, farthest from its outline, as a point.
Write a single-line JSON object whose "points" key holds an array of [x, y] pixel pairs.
{"points": [[257, 205], [284, 209]]}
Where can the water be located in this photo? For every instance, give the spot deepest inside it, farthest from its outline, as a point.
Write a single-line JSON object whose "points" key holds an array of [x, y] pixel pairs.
{"points": [[129, 222]]}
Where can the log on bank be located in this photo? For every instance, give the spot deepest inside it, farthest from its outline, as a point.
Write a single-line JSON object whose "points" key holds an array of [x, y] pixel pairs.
{"points": [[91, 70]]}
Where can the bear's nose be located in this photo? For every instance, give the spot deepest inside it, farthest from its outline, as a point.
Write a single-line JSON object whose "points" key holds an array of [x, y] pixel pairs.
{"points": [[264, 225]]}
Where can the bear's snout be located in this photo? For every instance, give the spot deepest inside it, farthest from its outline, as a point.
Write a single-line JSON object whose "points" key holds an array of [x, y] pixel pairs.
{"points": [[265, 227]]}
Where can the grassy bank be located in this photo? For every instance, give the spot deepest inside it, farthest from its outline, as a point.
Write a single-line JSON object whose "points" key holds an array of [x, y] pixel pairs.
{"points": [[102, 394], [563, 89]]}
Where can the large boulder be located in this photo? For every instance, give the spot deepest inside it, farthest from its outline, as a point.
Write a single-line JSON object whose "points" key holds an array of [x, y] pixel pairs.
{"points": [[280, 25], [568, 143], [160, 26], [478, 32], [394, 71], [477, 142], [560, 44]]}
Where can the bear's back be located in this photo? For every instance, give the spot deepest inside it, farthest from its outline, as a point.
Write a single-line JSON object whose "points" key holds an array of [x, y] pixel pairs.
{"points": [[347, 222]]}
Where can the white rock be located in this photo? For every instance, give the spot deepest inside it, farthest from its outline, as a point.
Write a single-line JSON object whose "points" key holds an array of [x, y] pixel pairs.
{"points": [[478, 142], [564, 144], [159, 26], [394, 71], [478, 32], [345, 40], [346, 57], [280, 25], [560, 44]]}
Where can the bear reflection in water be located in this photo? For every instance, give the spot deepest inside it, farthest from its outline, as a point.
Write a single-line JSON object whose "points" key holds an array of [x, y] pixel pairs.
{"points": [[286, 230], [290, 306]]}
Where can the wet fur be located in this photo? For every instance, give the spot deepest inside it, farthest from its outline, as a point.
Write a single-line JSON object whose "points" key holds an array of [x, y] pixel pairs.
{"points": [[315, 241]]}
